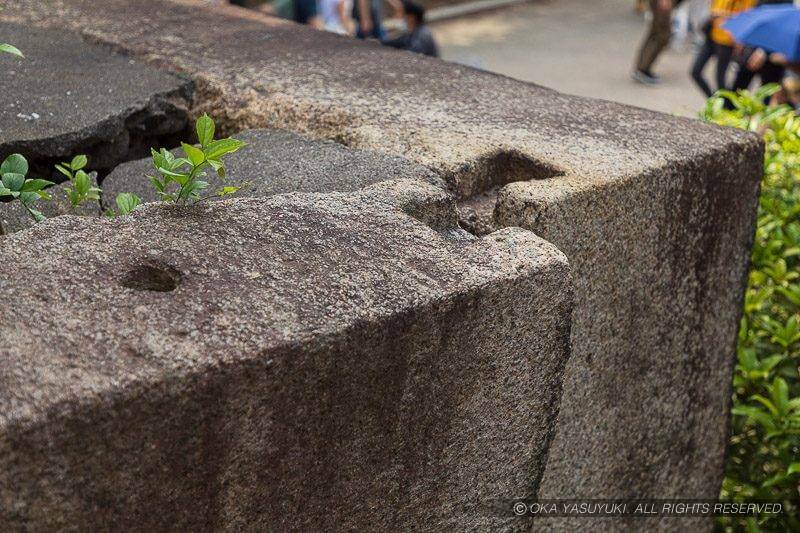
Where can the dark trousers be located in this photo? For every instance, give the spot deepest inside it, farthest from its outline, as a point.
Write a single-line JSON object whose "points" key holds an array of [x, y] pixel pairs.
{"points": [[769, 73], [657, 37], [723, 55]]}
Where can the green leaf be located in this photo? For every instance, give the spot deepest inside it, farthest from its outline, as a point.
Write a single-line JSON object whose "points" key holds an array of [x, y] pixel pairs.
{"points": [[766, 403], [78, 162], [127, 202], [794, 404], [192, 190], [780, 394], [64, 171], [10, 49], [221, 147], [755, 414], [747, 359], [28, 198], [225, 191], [13, 181], [218, 167], [16, 164], [168, 156], [181, 179], [159, 161], [72, 196], [195, 155], [178, 162], [158, 184], [794, 468], [35, 185], [82, 182], [774, 480], [205, 130], [37, 215]]}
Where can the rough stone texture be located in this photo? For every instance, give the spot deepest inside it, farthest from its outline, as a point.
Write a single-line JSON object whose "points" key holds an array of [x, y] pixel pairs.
{"points": [[661, 262], [277, 161], [68, 97], [329, 362], [655, 213], [14, 217]]}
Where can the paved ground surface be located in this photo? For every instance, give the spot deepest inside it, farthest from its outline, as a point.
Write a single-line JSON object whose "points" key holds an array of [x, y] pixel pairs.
{"points": [[576, 46]]}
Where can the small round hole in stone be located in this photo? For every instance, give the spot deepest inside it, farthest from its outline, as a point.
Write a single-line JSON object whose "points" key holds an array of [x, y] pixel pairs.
{"points": [[152, 276]]}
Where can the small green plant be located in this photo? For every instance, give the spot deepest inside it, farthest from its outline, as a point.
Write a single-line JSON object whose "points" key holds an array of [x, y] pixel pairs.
{"points": [[10, 49], [81, 189], [126, 203], [763, 461], [178, 177], [14, 170]]}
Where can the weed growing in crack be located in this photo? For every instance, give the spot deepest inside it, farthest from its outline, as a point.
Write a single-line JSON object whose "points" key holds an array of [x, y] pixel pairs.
{"points": [[178, 177], [81, 188], [15, 184]]}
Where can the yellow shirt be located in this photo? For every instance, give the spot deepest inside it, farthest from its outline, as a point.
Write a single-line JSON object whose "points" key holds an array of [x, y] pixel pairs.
{"points": [[720, 11]]}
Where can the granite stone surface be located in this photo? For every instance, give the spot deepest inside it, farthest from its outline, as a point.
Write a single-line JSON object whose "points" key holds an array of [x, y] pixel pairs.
{"points": [[297, 362], [655, 214], [278, 161], [68, 96]]}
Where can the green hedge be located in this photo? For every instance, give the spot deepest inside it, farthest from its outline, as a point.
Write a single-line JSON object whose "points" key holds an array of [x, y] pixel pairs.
{"points": [[764, 450]]}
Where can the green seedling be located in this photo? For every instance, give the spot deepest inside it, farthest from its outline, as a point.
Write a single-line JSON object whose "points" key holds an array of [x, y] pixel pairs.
{"points": [[15, 184], [178, 177], [10, 49], [81, 188], [126, 203]]}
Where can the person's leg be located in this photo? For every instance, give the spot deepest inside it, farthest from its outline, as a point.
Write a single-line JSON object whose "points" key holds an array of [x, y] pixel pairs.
{"points": [[745, 76], [724, 55], [703, 55], [771, 73], [657, 38]]}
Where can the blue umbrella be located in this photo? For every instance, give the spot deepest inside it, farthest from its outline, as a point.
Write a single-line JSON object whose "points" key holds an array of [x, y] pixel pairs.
{"points": [[775, 28]]}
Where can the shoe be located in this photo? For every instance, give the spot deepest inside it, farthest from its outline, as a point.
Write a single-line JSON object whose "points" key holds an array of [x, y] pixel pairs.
{"points": [[645, 77]]}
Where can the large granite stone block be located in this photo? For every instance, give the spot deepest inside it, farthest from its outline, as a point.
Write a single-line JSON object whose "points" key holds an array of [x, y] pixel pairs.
{"points": [[301, 362], [660, 265], [655, 212], [68, 97]]}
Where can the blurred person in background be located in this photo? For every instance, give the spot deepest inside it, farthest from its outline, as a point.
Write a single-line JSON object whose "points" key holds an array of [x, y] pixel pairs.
{"points": [[307, 12], [789, 93], [367, 14], [336, 16], [718, 43], [417, 37], [278, 8], [759, 62], [656, 40]]}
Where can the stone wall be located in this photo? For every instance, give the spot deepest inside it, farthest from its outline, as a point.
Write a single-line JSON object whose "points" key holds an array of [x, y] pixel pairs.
{"points": [[443, 389]]}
